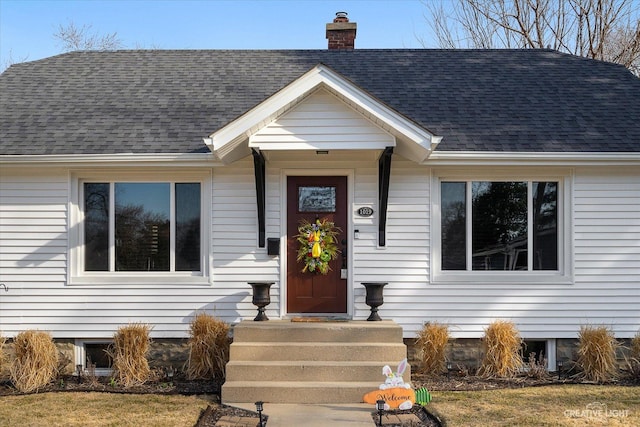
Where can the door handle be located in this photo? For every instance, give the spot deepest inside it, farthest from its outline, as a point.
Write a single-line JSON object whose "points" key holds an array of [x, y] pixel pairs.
{"points": [[344, 272]]}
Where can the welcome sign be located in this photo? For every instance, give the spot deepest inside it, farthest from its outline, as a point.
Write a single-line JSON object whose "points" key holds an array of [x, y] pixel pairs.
{"points": [[394, 397]]}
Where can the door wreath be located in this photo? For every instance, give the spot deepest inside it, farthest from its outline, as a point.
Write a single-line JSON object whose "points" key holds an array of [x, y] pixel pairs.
{"points": [[317, 245]]}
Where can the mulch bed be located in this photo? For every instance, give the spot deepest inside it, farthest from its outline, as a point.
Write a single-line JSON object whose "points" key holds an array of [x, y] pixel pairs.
{"points": [[178, 385], [418, 416]]}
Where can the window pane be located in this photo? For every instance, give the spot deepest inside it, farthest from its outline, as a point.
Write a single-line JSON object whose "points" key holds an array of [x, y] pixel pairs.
{"points": [[96, 229], [499, 225], [97, 354], [316, 199], [142, 226], [188, 227], [545, 225], [454, 229]]}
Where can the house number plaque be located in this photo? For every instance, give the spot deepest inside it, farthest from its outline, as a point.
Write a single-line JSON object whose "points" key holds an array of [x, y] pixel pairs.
{"points": [[365, 211]]}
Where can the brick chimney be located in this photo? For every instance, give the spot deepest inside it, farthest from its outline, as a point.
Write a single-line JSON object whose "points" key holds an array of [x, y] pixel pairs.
{"points": [[341, 33]]}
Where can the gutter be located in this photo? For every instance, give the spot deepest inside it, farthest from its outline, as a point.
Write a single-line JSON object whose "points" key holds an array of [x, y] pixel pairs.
{"points": [[158, 159], [474, 158]]}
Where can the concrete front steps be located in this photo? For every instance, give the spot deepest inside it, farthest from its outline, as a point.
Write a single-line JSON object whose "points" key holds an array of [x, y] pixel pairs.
{"points": [[280, 361]]}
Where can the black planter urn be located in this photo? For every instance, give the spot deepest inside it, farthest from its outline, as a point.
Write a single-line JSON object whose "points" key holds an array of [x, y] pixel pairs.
{"points": [[261, 298], [374, 298]]}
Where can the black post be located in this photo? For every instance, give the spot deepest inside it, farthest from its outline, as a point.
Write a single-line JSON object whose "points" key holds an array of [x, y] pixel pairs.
{"points": [[259, 171], [384, 172]]}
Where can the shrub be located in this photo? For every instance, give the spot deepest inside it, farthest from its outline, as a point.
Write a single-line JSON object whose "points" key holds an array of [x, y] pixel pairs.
{"points": [[208, 347], [597, 353], [537, 367], [431, 344], [633, 361], [3, 356], [635, 346], [36, 361], [129, 354], [502, 346]]}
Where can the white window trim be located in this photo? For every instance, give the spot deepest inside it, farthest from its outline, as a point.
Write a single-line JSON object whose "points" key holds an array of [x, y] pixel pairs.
{"points": [[80, 355], [562, 276], [77, 275]]}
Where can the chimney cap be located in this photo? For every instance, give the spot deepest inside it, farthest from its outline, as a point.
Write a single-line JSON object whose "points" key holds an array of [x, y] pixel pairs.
{"points": [[341, 17]]}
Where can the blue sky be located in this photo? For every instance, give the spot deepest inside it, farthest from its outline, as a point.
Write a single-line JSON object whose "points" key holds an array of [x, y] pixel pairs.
{"points": [[27, 26]]}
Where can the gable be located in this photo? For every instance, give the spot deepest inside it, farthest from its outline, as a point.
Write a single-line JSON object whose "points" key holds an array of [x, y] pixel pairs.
{"points": [[230, 143], [321, 122]]}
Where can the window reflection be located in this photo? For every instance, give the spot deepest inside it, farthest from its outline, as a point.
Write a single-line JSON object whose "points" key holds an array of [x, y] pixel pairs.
{"points": [[499, 230], [454, 225], [142, 231], [96, 229], [545, 226], [142, 226], [188, 227], [317, 199]]}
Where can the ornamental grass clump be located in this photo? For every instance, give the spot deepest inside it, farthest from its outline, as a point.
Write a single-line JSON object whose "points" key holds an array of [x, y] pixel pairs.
{"points": [[502, 346], [36, 361], [597, 354], [633, 361], [129, 354], [431, 344], [208, 347], [635, 346], [3, 356]]}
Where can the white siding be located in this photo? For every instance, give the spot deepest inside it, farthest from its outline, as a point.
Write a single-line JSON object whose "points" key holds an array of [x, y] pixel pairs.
{"points": [[606, 287], [33, 263], [404, 261], [323, 122], [33, 226]]}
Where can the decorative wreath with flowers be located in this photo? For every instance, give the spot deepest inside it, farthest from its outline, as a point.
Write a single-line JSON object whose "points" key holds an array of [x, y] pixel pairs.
{"points": [[317, 245]]}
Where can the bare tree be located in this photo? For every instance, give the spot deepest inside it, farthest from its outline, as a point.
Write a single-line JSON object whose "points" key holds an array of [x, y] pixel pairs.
{"points": [[75, 38], [10, 60], [607, 30]]}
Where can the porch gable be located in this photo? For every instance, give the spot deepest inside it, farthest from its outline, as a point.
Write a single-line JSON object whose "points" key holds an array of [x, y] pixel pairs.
{"points": [[234, 141]]}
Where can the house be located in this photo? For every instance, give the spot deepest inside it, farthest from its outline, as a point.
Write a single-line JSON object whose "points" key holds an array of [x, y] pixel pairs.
{"points": [[146, 186]]}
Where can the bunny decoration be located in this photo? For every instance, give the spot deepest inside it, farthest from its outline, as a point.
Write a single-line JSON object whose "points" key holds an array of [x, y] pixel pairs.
{"points": [[394, 379], [395, 392]]}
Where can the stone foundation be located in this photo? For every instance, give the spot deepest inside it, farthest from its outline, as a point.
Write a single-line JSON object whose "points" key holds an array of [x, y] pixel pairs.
{"points": [[67, 362], [168, 352], [465, 353]]}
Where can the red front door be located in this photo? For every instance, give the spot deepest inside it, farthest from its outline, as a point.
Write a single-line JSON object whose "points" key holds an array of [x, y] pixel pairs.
{"points": [[310, 198]]}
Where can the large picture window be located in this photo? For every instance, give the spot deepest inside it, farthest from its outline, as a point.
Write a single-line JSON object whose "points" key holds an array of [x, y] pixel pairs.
{"points": [[142, 226], [499, 225]]}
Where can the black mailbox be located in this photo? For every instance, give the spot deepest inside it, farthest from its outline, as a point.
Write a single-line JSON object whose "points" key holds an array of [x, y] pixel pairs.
{"points": [[273, 246]]}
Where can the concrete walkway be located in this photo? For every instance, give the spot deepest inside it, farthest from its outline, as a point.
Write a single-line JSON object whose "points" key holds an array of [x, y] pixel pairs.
{"points": [[321, 415]]}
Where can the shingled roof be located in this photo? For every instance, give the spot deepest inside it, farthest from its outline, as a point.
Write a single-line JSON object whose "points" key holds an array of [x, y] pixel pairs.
{"points": [[156, 101]]}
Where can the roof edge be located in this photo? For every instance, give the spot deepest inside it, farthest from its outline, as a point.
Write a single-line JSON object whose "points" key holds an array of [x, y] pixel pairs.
{"points": [[447, 158], [165, 159]]}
